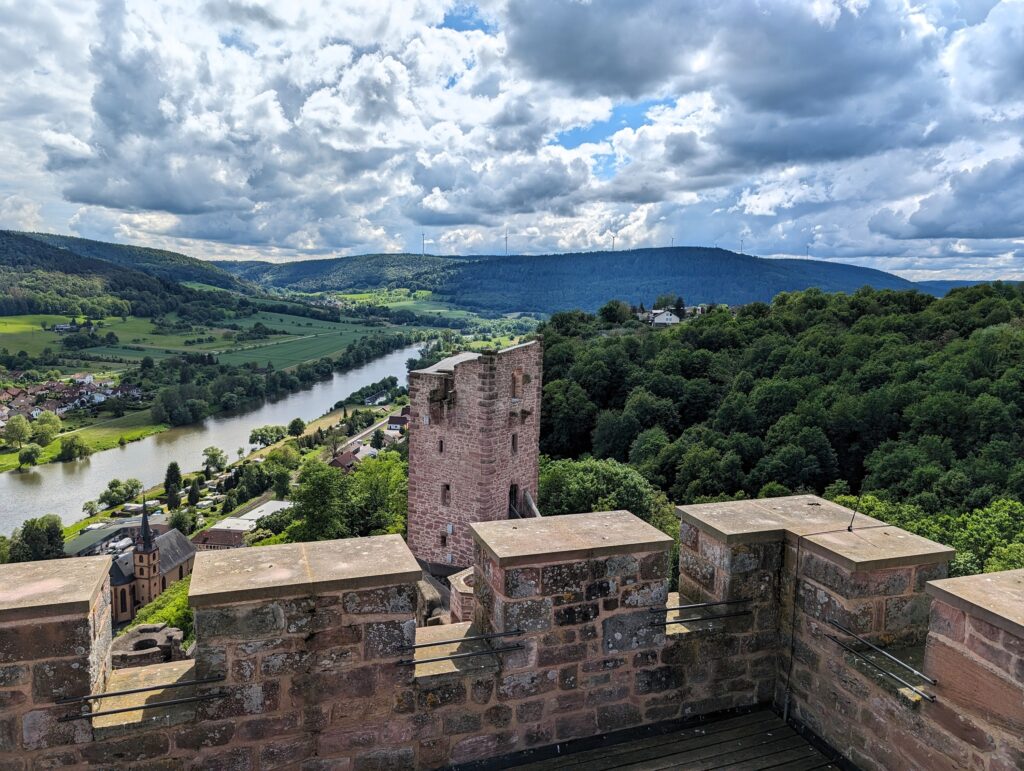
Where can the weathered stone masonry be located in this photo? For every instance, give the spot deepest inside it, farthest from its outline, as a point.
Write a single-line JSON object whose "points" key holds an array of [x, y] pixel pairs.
{"points": [[310, 640], [474, 437]]}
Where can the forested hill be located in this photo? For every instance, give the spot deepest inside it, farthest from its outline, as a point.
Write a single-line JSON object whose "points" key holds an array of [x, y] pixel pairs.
{"points": [[914, 402], [351, 274], [171, 266], [547, 283], [550, 282], [39, 278]]}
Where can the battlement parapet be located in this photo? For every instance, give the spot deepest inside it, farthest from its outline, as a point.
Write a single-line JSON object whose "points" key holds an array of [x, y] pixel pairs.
{"points": [[308, 655]]}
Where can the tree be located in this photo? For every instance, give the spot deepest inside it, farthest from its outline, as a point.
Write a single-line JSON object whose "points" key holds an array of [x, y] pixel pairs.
{"points": [[173, 498], [214, 459], [45, 428], [18, 430], [380, 492], [567, 419], [615, 312], [194, 493], [377, 440], [29, 455], [90, 508], [172, 477], [323, 501], [119, 492], [38, 539], [73, 447], [265, 436], [296, 427], [183, 521], [282, 483], [665, 301]]}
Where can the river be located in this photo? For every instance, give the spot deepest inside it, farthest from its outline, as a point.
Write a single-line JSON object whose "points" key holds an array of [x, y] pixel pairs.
{"points": [[62, 488]]}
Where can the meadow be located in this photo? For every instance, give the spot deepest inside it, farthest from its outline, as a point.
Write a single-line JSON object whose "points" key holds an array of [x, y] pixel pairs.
{"points": [[304, 340], [102, 435]]}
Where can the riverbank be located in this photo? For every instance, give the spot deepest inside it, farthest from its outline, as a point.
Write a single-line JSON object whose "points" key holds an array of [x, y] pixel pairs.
{"points": [[100, 436], [62, 488]]}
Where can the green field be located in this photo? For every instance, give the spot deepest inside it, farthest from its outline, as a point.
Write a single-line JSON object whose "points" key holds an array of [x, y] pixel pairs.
{"points": [[99, 436], [25, 333], [304, 340], [288, 352]]}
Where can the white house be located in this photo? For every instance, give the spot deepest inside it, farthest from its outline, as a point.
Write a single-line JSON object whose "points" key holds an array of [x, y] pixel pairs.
{"points": [[664, 319]]}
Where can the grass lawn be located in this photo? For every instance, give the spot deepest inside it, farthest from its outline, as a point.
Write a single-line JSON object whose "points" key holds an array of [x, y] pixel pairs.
{"points": [[100, 436]]}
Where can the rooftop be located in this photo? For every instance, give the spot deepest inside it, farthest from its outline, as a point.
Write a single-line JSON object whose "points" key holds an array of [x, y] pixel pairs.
{"points": [[30, 590], [240, 575], [995, 597], [821, 525], [243, 524], [448, 364], [270, 507], [568, 537]]}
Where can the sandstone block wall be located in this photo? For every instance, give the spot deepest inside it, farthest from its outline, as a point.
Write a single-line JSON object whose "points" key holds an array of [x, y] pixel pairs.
{"points": [[311, 640], [55, 645], [878, 583], [473, 406]]}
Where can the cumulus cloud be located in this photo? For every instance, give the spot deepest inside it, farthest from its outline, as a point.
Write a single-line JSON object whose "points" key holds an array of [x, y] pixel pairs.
{"points": [[873, 131]]}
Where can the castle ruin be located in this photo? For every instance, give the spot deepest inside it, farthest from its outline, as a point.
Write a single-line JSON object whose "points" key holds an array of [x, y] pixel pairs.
{"points": [[474, 437]]}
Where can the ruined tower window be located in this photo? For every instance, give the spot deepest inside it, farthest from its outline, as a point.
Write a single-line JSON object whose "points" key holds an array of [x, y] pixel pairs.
{"points": [[446, 494], [124, 601], [440, 446], [444, 540], [517, 384], [515, 443]]}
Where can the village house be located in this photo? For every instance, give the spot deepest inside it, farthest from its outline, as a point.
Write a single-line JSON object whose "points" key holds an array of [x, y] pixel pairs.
{"points": [[664, 319]]}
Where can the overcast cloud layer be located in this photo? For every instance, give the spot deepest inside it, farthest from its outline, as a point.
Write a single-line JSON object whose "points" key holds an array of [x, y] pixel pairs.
{"points": [[883, 133]]}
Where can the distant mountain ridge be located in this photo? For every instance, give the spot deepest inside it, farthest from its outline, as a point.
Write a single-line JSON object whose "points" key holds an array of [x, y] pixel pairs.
{"points": [[534, 283], [171, 266], [550, 282]]}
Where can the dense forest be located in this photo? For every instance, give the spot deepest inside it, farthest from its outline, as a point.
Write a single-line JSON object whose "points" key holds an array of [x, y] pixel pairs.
{"points": [[39, 278], [170, 266], [907, 400]]}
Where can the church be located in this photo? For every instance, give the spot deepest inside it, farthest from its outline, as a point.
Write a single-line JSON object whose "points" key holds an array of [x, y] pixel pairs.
{"points": [[140, 574]]}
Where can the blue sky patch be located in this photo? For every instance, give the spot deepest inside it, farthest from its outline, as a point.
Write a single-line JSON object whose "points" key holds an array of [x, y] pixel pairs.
{"points": [[623, 115], [464, 17]]}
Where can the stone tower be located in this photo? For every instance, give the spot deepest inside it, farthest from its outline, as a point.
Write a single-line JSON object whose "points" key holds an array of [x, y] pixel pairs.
{"points": [[474, 437], [146, 561]]}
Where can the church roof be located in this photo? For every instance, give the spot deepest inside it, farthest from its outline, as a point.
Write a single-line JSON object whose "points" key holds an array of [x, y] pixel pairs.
{"points": [[174, 550]]}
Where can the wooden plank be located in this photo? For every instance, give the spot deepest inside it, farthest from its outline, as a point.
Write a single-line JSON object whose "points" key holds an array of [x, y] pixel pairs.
{"points": [[713, 756], [627, 755], [751, 722], [784, 758], [816, 762]]}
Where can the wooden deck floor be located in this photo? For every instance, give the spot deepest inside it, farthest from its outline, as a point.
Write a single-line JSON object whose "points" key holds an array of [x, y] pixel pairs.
{"points": [[758, 740]]}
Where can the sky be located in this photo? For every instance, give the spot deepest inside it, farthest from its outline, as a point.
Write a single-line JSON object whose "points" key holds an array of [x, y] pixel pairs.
{"points": [[881, 133]]}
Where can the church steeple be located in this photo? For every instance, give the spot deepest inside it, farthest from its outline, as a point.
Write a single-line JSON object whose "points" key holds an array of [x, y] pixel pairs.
{"points": [[147, 534]]}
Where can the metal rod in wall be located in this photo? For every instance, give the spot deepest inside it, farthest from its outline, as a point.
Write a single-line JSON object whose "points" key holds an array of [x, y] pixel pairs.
{"points": [[140, 707], [488, 636], [693, 605], [178, 684], [886, 672], [888, 655], [516, 647], [689, 619]]}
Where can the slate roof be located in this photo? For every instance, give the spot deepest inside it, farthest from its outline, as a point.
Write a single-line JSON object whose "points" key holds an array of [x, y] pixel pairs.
{"points": [[174, 550]]}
